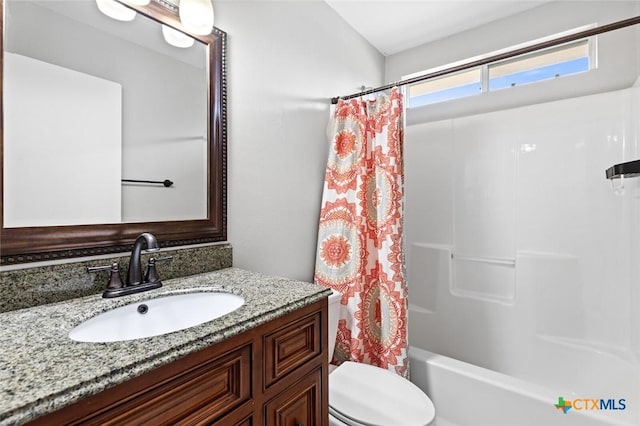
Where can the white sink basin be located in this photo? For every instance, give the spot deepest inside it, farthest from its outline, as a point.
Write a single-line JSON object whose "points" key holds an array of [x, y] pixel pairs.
{"points": [[154, 317]]}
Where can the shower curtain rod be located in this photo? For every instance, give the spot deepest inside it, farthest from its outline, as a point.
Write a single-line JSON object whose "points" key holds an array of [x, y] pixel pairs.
{"points": [[506, 55]]}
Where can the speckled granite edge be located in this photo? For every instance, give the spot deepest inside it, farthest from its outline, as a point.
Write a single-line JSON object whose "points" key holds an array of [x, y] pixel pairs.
{"points": [[42, 370], [25, 288]]}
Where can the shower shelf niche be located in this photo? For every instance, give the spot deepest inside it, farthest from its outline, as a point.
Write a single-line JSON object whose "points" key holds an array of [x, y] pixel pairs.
{"points": [[627, 170]]}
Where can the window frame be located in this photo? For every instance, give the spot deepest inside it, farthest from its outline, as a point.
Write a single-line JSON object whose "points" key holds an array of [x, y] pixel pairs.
{"points": [[592, 42]]}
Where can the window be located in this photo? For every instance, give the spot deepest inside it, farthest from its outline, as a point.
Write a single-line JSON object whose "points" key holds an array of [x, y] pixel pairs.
{"points": [[566, 59], [459, 85], [541, 65]]}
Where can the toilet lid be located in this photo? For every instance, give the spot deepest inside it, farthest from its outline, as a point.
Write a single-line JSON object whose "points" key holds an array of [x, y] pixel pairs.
{"points": [[372, 396]]}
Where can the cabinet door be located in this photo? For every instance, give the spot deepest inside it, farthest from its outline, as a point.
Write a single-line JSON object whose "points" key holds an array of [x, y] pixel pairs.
{"points": [[299, 405], [290, 347]]}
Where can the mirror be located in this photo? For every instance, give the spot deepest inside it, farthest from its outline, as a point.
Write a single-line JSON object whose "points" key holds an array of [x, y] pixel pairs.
{"points": [[89, 105]]}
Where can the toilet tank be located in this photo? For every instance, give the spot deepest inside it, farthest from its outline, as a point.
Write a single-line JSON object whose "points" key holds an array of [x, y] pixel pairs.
{"points": [[333, 315]]}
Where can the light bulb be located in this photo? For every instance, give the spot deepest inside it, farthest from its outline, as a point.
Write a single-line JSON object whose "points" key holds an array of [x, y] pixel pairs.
{"points": [[176, 38], [196, 16], [116, 10]]}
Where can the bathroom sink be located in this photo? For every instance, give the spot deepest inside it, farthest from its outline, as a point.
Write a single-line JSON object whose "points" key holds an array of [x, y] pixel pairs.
{"points": [[154, 317]]}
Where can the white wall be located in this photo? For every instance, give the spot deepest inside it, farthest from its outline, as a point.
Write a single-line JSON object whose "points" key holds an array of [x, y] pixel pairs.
{"points": [[47, 165], [286, 60], [520, 257], [634, 271], [618, 63], [523, 192], [163, 136]]}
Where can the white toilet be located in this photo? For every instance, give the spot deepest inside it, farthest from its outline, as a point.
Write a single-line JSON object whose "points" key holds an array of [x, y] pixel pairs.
{"points": [[364, 395]]}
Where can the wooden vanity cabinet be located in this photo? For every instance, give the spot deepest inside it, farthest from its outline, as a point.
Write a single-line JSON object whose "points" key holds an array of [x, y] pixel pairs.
{"points": [[273, 375]]}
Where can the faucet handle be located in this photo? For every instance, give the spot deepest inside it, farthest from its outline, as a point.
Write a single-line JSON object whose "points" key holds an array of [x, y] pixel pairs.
{"points": [[151, 276], [115, 280]]}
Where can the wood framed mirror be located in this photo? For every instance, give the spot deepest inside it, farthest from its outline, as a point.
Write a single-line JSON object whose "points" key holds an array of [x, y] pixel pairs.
{"points": [[48, 238]]}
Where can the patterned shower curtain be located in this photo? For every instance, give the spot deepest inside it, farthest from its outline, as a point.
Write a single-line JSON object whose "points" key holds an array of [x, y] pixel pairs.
{"points": [[359, 249]]}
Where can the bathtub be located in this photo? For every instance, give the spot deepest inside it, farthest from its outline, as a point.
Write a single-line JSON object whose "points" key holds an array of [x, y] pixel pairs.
{"points": [[467, 395]]}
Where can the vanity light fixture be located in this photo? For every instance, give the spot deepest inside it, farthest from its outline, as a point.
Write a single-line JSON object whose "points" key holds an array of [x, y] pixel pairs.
{"points": [[196, 16], [115, 10], [176, 38]]}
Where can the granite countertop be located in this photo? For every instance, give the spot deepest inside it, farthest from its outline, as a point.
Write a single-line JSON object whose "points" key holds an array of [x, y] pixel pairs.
{"points": [[42, 370]]}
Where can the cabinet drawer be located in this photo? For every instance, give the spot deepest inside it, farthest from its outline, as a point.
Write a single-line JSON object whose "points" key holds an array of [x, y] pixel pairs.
{"points": [[291, 346], [298, 405], [198, 395]]}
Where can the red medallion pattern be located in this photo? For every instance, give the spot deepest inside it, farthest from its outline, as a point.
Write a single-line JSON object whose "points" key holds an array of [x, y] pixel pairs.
{"points": [[359, 249]]}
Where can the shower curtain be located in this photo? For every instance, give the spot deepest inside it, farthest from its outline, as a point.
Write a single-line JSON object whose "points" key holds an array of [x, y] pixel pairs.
{"points": [[359, 249]]}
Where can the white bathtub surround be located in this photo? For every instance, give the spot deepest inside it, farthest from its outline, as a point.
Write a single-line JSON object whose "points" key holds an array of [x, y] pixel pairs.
{"points": [[359, 252], [466, 394], [520, 257]]}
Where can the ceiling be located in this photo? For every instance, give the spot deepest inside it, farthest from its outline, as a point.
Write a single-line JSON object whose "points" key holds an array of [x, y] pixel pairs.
{"points": [[394, 26]]}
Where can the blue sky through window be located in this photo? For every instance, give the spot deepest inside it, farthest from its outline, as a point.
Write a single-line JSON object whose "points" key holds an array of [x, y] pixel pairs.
{"points": [[537, 74], [445, 95], [540, 65]]}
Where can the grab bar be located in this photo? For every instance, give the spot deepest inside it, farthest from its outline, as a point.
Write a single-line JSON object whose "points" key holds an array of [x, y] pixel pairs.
{"points": [[489, 260], [167, 183]]}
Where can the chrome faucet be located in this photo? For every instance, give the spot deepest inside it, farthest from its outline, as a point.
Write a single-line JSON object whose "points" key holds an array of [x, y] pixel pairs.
{"points": [[134, 275]]}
